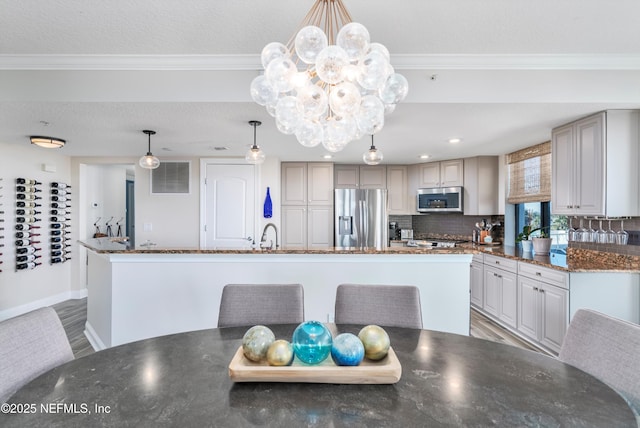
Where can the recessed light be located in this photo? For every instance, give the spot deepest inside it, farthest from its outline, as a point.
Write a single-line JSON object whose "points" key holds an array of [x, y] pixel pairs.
{"points": [[454, 140], [327, 157], [424, 156], [220, 148]]}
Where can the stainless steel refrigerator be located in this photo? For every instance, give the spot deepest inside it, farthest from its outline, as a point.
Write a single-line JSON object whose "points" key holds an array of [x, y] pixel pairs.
{"points": [[361, 218]]}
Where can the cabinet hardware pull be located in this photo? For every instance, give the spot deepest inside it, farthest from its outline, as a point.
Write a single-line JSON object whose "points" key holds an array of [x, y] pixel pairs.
{"points": [[538, 274], [535, 288], [578, 206], [497, 262], [541, 290]]}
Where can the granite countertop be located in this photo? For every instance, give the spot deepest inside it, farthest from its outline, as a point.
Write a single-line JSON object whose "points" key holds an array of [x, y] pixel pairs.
{"points": [[576, 260], [120, 246]]}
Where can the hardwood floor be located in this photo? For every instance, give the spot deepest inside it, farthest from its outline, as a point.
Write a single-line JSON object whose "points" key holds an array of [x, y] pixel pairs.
{"points": [[73, 314]]}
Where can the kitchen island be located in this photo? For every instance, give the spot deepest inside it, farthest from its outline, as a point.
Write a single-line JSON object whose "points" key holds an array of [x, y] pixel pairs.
{"points": [[147, 291]]}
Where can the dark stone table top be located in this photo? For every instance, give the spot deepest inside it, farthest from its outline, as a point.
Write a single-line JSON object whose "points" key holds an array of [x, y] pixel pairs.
{"points": [[447, 380]]}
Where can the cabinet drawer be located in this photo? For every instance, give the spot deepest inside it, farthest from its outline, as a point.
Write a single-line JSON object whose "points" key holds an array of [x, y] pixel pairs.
{"points": [[550, 276], [501, 262]]}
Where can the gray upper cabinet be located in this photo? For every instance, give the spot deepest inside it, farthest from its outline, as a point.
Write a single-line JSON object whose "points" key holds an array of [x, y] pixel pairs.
{"points": [[307, 183], [594, 165], [448, 173], [360, 176], [481, 193], [398, 189]]}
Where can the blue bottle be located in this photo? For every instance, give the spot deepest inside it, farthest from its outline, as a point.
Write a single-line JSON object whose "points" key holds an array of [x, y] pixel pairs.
{"points": [[268, 206]]}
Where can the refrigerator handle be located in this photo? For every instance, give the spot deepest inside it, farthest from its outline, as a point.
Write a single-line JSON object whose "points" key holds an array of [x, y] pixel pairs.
{"points": [[364, 232]]}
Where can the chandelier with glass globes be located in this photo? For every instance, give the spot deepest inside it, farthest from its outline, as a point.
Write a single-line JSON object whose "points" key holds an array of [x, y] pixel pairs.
{"points": [[327, 88]]}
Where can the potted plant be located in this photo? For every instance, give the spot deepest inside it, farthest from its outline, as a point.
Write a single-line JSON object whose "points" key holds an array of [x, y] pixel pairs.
{"points": [[542, 244], [525, 238]]}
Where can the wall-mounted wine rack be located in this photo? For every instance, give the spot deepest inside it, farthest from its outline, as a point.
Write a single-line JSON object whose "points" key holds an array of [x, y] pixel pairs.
{"points": [[27, 231], [60, 228]]}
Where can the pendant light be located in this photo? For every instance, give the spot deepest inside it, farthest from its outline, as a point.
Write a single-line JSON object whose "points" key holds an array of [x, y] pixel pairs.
{"points": [[149, 161], [255, 156], [373, 156]]}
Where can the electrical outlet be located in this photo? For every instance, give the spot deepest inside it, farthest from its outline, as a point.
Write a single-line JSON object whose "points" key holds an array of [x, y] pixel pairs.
{"points": [[148, 227]]}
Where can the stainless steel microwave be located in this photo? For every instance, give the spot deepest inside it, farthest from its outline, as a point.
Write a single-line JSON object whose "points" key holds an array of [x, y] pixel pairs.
{"points": [[440, 200]]}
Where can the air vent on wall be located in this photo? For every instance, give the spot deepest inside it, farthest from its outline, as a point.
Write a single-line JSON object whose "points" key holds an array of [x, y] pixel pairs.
{"points": [[170, 178]]}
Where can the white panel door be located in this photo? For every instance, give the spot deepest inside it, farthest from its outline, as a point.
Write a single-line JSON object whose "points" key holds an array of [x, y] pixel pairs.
{"points": [[229, 206]]}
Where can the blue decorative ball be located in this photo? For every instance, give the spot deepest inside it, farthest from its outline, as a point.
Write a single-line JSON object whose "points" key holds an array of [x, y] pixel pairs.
{"points": [[311, 342], [347, 350]]}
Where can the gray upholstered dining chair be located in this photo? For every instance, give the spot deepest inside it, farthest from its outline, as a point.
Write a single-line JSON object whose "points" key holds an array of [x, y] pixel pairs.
{"points": [[252, 304], [30, 344], [384, 305], [608, 349]]}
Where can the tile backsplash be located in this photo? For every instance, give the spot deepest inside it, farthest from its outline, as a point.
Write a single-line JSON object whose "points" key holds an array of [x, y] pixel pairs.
{"points": [[453, 225]]}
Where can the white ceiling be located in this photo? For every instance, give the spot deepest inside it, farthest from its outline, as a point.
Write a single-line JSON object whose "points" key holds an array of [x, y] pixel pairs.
{"points": [[497, 73]]}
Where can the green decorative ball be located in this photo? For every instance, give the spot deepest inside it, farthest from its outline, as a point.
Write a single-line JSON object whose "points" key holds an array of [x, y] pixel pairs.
{"points": [[376, 342], [280, 353], [256, 342]]}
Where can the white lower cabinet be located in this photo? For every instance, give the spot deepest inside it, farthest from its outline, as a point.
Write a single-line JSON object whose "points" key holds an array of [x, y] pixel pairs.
{"points": [[525, 298], [542, 311], [500, 294], [477, 282]]}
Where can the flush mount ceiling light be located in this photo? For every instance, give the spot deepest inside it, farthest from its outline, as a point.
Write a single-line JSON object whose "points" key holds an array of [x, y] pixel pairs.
{"points": [[372, 156], [454, 140], [329, 84], [255, 156], [47, 142], [149, 161]]}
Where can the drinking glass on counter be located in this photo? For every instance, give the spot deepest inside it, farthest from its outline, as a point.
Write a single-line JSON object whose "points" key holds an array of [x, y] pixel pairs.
{"points": [[622, 237]]}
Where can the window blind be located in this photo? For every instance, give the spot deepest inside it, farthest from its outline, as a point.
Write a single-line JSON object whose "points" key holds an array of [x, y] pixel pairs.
{"points": [[530, 174]]}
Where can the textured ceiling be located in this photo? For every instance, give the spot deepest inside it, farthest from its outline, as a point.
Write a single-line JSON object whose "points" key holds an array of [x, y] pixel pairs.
{"points": [[498, 73]]}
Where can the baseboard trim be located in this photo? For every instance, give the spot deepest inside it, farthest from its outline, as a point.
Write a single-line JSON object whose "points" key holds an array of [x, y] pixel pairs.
{"points": [[47, 301], [93, 338]]}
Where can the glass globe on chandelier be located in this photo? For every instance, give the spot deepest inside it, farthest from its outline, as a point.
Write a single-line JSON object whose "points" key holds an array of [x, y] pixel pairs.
{"points": [[324, 92], [255, 155], [372, 156]]}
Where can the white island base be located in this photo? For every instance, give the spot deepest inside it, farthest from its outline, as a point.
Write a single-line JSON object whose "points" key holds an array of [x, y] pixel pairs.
{"points": [[138, 296]]}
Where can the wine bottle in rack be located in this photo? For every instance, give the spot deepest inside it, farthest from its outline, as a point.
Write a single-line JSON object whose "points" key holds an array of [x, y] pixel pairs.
{"points": [[27, 189], [58, 225], [26, 226], [60, 205], [27, 250], [27, 204], [27, 196], [28, 211], [28, 219], [59, 232], [60, 253], [60, 185], [29, 265], [60, 211], [27, 181], [59, 259], [27, 258], [26, 234], [60, 192], [57, 198], [58, 219], [25, 242], [55, 246], [59, 239]]}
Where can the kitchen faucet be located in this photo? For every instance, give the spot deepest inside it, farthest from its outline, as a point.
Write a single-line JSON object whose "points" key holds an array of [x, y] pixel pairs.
{"points": [[264, 236]]}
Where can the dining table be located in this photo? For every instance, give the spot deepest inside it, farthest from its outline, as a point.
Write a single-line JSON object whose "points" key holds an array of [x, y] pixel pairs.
{"points": [[447, 380]]}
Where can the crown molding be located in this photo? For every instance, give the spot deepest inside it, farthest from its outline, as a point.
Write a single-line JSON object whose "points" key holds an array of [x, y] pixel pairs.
{"points": [[252, 62]]}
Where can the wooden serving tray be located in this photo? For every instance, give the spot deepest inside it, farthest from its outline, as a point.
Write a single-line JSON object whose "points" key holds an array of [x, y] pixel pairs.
{"points": [[386, 371]]}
